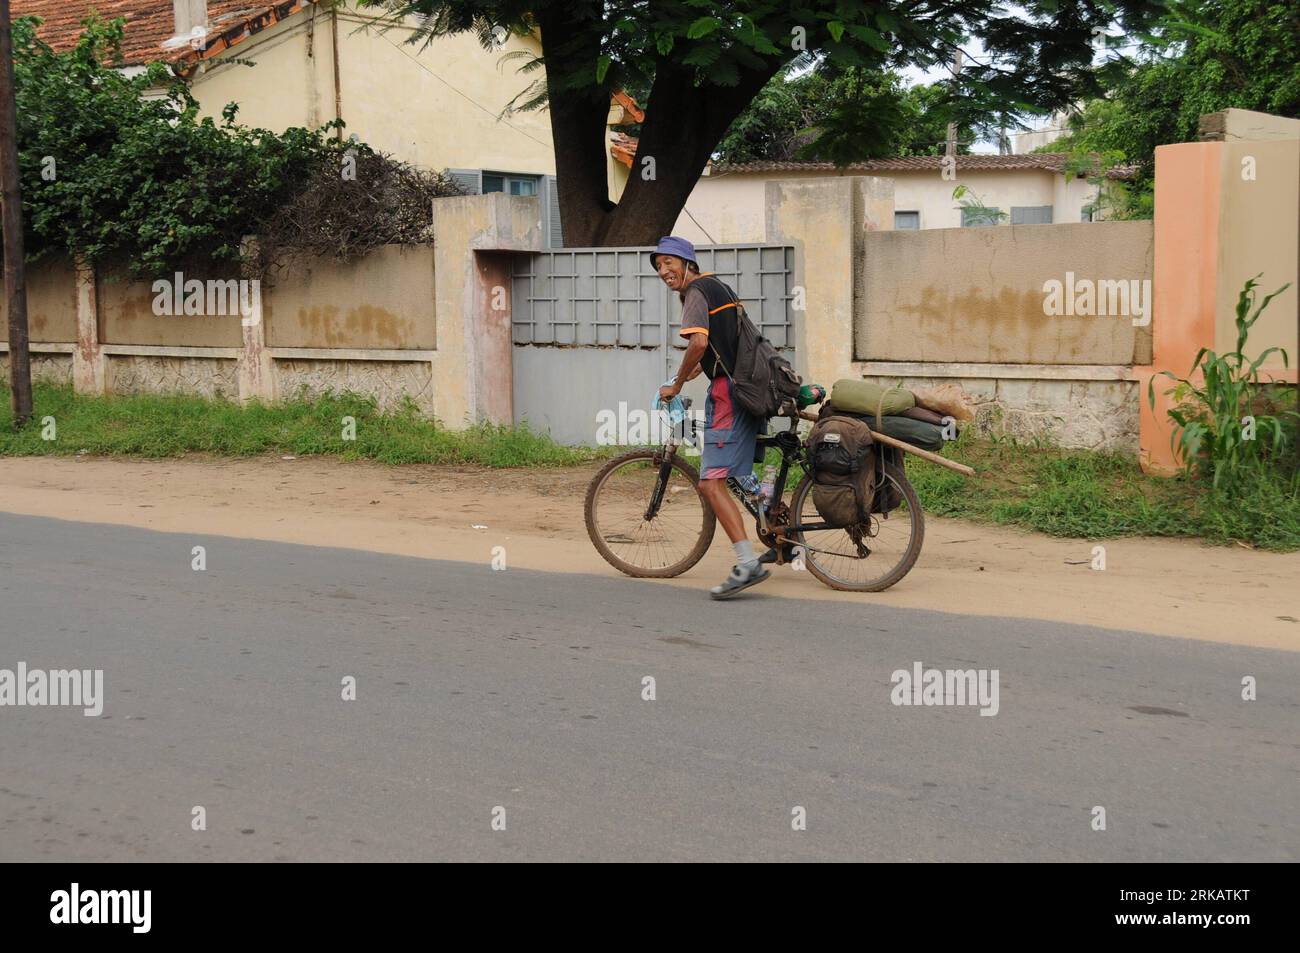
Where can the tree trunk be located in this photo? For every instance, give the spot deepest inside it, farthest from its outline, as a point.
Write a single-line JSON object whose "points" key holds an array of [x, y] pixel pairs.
{"points": [[578, 126], [15, 281], [683, 126]]}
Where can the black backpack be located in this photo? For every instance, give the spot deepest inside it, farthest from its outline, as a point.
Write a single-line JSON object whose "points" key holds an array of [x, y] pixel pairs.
{"points": [[762, 380], [841, 455], [885, 496]]}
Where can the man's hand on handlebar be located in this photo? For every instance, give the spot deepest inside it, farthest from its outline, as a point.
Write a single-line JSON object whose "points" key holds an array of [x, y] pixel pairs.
{"points": [[669, 391]]}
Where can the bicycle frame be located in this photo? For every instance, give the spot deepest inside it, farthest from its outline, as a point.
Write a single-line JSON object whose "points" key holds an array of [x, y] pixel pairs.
{"points": [[788, 456]]}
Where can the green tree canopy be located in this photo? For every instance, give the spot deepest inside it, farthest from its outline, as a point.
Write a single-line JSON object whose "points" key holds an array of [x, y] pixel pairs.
{"points": [[121, 172], [119, 169], [844, 116], [704, 61], [1202, 57]]}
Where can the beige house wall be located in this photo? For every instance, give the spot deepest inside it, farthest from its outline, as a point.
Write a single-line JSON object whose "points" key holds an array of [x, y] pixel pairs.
{"points": [[825, 221], [434, 106], [729, 208]]}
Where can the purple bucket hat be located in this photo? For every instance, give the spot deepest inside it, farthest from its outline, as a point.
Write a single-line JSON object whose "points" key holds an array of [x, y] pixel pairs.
{"points": [[672, 245]]}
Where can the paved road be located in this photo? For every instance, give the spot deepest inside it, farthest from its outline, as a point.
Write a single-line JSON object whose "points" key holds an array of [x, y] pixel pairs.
{"points": [[523, 690]]}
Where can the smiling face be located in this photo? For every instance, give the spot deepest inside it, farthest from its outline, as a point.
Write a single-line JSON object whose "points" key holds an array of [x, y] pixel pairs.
{"points": [[673, 272]]}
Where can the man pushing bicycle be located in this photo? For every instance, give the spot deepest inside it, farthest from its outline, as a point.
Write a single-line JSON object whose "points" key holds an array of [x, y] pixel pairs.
{"points": [[709, 323]]}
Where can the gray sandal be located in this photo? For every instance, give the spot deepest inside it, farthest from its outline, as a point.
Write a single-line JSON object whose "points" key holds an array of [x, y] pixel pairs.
{"points": [[737, 582]]}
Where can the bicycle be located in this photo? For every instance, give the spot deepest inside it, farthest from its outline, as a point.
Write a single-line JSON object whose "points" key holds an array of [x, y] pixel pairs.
{"points": [[646, 516]]}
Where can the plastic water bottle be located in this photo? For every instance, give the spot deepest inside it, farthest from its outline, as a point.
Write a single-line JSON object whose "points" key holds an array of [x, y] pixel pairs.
{"points": [[769, 485], [749, 483]]}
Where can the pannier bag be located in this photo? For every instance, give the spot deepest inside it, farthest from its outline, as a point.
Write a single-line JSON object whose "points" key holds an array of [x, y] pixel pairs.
{"points": [[843, 470]]}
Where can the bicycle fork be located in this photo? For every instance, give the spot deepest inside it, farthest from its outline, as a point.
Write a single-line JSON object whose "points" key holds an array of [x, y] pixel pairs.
{"points": [[665, 458]]}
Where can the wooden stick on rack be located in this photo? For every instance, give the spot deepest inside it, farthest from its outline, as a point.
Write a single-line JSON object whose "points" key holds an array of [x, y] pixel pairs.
{"points": [[908, 448]]}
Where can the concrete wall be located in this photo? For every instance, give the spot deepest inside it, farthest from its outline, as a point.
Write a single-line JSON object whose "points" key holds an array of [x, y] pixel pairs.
{"points": [[420, 322], [126, 316], [825, 220], [1216, 226], [51, 303], [1260, 179], [1233, 125], [864, 281], [435, 106], [382, 301], [50, 368], [155, 374], [976, 294], [473, 371]]}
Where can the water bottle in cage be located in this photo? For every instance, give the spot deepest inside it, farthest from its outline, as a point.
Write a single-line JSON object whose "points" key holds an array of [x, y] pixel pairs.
{"points": [[749, 483]]}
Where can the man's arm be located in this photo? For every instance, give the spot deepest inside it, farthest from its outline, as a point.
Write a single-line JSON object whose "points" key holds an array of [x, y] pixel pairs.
{"points": [[695, 328], [690, 369]]}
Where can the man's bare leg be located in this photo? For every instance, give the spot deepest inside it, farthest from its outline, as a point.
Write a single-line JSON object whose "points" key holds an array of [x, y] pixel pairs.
{"points": [[748, 571], [725, 508]]}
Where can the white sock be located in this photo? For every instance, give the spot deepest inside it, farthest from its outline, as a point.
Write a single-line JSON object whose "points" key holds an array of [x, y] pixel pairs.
{"points": [[745, 557]]}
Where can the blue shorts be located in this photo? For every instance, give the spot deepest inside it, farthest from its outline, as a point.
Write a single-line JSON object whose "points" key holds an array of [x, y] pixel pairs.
{"points": [[730, 435]]}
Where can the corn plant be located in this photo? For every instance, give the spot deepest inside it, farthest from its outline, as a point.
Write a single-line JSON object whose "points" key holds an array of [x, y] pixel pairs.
{"points": [[1213, 427]]}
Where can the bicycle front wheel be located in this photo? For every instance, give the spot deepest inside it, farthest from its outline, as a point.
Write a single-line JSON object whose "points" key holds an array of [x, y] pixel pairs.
{"points": [[866, 560], [647, 518]]}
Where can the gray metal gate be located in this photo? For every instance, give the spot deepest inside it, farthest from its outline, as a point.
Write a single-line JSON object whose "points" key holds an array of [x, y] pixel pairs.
{"points": [[595, 330]]}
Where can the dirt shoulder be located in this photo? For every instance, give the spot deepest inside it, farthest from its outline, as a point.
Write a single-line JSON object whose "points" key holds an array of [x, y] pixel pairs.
{"points": [[1167, 587]]}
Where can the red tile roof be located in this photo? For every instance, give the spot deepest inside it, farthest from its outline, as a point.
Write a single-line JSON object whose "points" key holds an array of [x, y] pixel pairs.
{"points": [[148, 23], [633, 111], [622, 147]]}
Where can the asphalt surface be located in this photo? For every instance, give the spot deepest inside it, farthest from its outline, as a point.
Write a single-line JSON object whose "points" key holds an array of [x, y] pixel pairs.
{"points": [[519, 690]]}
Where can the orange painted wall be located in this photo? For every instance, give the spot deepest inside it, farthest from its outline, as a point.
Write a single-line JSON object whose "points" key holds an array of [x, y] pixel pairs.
{"points": [[1184, 287]]}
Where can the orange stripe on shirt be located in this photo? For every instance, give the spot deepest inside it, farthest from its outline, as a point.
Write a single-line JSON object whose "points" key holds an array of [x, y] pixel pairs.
{"points": [[723, 308], [687, 332]]}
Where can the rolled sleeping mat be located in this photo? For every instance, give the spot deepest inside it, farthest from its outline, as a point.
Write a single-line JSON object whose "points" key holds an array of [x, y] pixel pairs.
{"points": [[919, 433], [868, 397]]}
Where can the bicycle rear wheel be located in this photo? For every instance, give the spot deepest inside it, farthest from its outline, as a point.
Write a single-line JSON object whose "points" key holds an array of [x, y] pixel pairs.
{"points": [[678, 533], [892, 541]]}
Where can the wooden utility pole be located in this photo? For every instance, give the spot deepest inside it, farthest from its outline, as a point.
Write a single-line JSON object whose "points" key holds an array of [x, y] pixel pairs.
{"points": [[952, 126], [11, 215]]}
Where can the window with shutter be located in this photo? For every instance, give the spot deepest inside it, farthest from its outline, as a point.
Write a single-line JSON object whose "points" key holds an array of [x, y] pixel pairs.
{"points": [[1031, 215], [551, 212], [471, 180]]}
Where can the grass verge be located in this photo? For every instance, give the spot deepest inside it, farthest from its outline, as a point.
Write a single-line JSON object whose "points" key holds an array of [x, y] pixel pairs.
{"points": [[1069, 493], [1092, 495], [150, 425]]}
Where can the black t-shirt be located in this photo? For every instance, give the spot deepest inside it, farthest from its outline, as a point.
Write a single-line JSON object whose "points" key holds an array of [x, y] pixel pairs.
{"points": [[721, 326]]}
